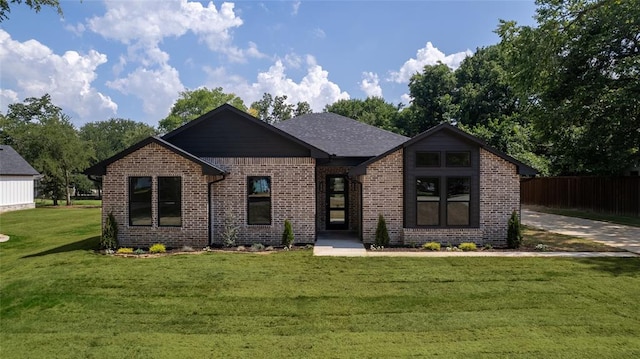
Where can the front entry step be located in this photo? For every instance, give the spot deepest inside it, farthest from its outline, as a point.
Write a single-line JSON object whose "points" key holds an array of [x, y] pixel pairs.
{"points": [[342, 246]]}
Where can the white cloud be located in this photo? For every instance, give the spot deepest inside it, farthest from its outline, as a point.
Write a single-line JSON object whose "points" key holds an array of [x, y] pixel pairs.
{"points": [[406, 99], [8, 97], [370, 84], [314, 88], [158, 89], [295, 7], [144, 25], [319, 33], [429, 55], [36, 70]]}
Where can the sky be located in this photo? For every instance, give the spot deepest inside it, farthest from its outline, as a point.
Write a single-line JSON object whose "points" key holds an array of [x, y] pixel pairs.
{"points": [[131, 59]]}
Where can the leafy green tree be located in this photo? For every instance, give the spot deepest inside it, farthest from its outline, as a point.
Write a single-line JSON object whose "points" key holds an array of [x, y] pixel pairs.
{"points": [[194, 103], [48, 140], [578, 72], [275, 109], [114, 135], [433, 99], [35, 5], [374, 111]]}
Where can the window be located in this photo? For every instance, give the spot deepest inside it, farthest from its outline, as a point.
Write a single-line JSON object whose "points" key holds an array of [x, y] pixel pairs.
{"points": [[170, 201], [139, 201], [458, 197], [259, 200], [458, 159], [428, 201], [427, 159]]}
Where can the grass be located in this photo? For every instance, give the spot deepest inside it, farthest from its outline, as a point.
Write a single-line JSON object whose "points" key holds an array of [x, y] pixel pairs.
{"points": [[561, 243], [41, 202], [624, 220], [60, 299]]}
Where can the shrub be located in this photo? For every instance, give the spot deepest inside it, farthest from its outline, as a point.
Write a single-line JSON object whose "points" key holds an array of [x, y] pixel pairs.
{"points": [[514, 232], [229, 232], [487, 247], [125, 250], [157, 248], [382, 235], [139, 251], [468, 246], [256, 247], [432, 246], [542, 247], [287, 235], [109, 239]]}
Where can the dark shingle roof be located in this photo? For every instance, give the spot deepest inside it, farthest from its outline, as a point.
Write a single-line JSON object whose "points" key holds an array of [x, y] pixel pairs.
{"points": [[341, 136], [11, 163]]}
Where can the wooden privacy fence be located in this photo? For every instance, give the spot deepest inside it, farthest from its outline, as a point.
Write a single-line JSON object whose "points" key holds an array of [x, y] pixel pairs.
{"points": [[612, 195]]}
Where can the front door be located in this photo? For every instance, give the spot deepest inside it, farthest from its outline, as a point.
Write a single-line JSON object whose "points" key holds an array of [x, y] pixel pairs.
{"points": [[337, 202]]}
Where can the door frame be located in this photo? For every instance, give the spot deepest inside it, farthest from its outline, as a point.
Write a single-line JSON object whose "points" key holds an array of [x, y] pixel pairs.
{"points": [[345, 193]]}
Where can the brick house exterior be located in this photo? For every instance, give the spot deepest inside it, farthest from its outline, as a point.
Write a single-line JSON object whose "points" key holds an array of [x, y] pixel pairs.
{"points": [[228, 170]]}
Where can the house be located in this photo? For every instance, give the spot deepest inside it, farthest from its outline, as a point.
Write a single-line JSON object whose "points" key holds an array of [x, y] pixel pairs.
{"points": [[323, 172], [16, 181]]}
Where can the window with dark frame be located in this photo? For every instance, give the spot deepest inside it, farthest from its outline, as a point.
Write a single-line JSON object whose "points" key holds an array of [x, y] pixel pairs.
{"points": [[140, 201], [458, 200], [427, 159], [169, 201], [259, 200], [458, 159], [428, 201]]}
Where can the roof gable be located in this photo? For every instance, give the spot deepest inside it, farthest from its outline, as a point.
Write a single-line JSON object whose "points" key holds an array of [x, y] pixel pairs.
{"points": [[11, 163], [100, 168], [341, 136], [523, 169], [230, 132]]}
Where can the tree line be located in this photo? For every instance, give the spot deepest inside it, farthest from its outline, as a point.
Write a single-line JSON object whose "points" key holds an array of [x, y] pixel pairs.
{"points": [[561, 96]]}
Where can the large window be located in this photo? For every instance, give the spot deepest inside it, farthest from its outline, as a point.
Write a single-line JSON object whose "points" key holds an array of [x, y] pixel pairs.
{"points": [[139, 201], [170, 201], [428, 198], [427, 159], [458, 159], [458, 197], [259, 200]]}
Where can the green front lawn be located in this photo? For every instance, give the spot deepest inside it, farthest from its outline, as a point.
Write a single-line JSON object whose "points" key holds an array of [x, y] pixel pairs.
{"points": [[60, 299]]}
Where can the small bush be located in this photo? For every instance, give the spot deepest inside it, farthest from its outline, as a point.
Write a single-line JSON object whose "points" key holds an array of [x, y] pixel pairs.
{"points": [[157, 248], [230, 231], [542, 247], [308, 246], [125, 250], [432, 246], [514, 232], [256, 247], [376, 248], [382, 234], [487, 247], [109, 239], [241, 248], [187, 249], [287, 235], [468, 246], [139, 251]]}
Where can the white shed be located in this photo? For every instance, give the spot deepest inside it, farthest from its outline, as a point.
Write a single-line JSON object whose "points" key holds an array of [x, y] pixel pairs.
{"points": [[16, 181]]}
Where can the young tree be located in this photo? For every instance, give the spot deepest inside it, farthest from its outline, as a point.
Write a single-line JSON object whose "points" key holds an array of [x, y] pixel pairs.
{"points": [[275, 109], [194, 103]]}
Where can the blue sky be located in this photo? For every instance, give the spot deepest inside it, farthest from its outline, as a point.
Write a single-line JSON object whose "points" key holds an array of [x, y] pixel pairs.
{"points": [[130, 59]]}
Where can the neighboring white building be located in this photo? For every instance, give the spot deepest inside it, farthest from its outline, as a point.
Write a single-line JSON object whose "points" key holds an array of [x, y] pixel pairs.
{"points": [[16, 181]]}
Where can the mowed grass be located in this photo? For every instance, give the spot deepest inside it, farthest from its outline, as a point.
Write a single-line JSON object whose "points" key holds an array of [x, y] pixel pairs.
{"points": [[60, 299]]}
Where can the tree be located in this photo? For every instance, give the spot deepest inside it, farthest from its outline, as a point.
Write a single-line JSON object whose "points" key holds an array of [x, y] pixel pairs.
{"points": [[275, 109], [577, 71], [194, 103], [35, 5], [46, 138], [374, 111], [114, 135], [432, 98]]}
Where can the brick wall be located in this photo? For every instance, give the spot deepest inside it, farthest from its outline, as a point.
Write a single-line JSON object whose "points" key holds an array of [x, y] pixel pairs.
{"points": [[293, 197], [154, 160], [382, 194], [321, 197]]}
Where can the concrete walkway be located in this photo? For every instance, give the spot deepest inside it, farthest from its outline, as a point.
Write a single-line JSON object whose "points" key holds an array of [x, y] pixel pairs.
{"points": [[344, 244], [615, 235]]}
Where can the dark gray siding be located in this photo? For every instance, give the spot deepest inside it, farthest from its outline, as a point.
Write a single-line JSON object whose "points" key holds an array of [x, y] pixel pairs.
{"points": [[441, 142], [232, 135]]}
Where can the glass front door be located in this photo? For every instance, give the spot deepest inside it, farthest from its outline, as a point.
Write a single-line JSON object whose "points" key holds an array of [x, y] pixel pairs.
{"points": [[337, 202]]}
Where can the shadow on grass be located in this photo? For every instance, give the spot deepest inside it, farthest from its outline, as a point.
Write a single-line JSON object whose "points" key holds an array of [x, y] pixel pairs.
{"points": [[92, 243], [615, 266]]}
